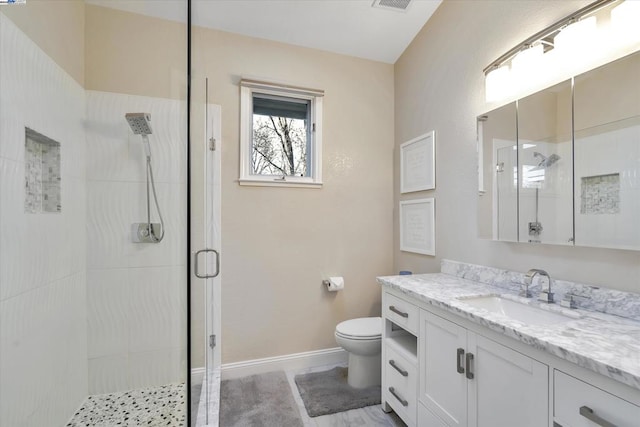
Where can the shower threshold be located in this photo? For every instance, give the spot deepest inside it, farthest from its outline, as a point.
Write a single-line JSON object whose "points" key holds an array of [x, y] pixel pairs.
{"points": [[209, 401]]}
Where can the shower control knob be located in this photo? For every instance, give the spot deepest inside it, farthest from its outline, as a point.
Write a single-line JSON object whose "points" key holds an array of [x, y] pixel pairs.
{"points": [[142, 233]]}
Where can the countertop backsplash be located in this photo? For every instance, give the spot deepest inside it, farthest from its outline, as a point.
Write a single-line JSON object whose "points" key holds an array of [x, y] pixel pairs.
{"points": [[587, 297]]}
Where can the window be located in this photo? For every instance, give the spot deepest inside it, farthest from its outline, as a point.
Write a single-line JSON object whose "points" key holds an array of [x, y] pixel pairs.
{"points": [[280, 135]]}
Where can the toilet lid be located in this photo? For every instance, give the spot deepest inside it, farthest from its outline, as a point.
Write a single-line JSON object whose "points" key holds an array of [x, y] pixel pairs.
{"points": [[363, 327]]}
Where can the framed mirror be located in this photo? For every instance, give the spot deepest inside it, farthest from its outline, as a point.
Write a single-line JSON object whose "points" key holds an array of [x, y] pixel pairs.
{"points": [[562, 166], [607, 155]]}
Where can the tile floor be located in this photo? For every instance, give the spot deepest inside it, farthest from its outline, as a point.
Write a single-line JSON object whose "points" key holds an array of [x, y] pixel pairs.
{"points": [[165, 406], [368, 416]]}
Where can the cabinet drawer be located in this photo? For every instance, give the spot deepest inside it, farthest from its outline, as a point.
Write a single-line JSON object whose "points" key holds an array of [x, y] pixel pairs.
{"points": [[402, 313], [401, 376], [571, 394]]}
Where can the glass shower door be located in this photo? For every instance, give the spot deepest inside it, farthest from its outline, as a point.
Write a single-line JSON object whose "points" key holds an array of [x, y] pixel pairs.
{"points": [[206, 288]]}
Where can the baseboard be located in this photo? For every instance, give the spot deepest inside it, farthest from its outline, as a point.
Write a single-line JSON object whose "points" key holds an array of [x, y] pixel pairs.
{"points": [[197, 372], [309, 359]]}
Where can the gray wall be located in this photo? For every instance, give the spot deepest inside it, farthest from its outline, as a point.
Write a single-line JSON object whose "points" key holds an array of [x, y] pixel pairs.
{"points": [[439, 85]]}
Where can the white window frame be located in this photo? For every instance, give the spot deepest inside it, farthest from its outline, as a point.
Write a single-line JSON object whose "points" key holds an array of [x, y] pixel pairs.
{"points": [[247, 90]]}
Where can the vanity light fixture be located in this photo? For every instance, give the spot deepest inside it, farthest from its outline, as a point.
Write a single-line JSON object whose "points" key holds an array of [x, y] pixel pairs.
{"points": [[625, 18], [572, 45]]}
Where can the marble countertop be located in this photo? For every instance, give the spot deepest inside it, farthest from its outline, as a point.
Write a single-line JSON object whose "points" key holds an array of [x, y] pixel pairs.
{"points": [[604, 343]]}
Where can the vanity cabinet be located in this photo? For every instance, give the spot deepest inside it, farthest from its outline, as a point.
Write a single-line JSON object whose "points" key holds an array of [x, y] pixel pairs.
{"points": [[469, 380], [441, 370], [400, 357], [401, 377], [579, 404]]}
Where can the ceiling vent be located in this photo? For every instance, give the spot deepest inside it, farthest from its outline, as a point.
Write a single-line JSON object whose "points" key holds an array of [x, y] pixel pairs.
{"points": [[399, 5]]}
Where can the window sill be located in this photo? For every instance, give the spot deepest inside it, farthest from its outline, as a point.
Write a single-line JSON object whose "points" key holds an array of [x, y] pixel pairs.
{"points": [[279, 183]]}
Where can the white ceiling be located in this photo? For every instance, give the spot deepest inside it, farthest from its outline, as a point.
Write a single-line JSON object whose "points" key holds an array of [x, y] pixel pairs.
{"points": [[349, 27]]}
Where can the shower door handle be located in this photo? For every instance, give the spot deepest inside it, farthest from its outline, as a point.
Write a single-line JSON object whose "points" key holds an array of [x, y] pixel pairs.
{"points": [[195, 267]]}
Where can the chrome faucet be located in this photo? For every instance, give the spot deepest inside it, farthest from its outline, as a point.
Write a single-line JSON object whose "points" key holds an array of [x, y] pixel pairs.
{"points": [[545, 294]]}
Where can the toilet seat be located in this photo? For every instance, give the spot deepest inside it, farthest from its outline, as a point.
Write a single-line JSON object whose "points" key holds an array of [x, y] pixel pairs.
{"points": [[363, 328]]}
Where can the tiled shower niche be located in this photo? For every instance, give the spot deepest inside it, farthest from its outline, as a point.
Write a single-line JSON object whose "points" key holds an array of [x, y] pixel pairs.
{"points": [[42, 173], [600, 194]]}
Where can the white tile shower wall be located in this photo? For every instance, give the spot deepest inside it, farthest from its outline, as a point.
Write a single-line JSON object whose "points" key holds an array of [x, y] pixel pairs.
{"points": [[610, 229], [43, 333], [136, 292]]}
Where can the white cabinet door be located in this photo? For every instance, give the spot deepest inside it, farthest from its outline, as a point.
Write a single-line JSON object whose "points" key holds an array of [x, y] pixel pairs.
{"points": [[508, 388], [443, 390], [469, 380]]}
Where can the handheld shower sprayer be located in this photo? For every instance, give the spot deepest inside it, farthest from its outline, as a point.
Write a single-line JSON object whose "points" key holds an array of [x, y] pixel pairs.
{"points": [[140, 124], [545, 161]]}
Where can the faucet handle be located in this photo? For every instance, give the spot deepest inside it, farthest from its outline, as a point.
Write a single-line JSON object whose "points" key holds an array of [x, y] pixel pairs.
{"points": [[569, 300], [524, 290], [546, 296]]}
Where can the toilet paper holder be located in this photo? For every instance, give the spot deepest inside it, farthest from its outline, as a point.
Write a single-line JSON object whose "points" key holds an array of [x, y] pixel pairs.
{"points": [[334, 283]]}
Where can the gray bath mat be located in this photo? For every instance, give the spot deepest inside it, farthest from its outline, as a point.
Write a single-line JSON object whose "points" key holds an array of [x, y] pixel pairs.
{"points": [[263, 400], [328, 392]]}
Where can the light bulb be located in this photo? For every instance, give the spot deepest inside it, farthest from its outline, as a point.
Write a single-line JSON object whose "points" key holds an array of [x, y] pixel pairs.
{"points": [[498, 84], [624, 21], [576, 36]]}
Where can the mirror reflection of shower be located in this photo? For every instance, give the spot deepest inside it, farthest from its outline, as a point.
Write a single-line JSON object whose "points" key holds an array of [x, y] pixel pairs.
{"points": [[545, 162], [146, 232]]}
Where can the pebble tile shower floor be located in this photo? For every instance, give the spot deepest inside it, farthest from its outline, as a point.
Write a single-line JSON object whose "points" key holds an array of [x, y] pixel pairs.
{"points": [[156, 406]]}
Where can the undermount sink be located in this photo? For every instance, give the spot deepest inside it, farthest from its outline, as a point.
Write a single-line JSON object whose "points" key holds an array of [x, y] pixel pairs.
{"points": [[520, 312]]}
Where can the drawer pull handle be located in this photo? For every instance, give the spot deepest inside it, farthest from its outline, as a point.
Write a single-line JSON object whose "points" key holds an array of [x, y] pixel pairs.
{"points": [[459, 362], [401, 400], [469, 362], [398, 368], [588, 413], [398, 312]]}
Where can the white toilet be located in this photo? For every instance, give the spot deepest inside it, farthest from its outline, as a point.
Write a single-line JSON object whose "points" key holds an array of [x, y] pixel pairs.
{"points": [[362, 339]]}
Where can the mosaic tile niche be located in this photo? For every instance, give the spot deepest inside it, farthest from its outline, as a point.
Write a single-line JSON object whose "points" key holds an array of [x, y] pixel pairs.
{"points": [[600, 194], [42, 173]]}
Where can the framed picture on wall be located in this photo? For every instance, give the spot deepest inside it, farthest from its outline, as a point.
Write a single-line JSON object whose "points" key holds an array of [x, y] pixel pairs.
{"points": [[417, 226], [417, 164]]}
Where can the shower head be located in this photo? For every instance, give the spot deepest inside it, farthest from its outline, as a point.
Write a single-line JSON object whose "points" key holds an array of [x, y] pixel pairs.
{"points": [[140, 123], [545, 161]]}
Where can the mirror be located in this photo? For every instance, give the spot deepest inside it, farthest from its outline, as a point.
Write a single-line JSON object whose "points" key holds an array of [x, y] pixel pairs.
{"points": [[607, 155], [545, 194], [498, 202], [562, 166]]}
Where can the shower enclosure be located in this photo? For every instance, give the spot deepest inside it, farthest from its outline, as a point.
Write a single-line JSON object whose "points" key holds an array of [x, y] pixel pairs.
{"points": [[97, 231]]}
